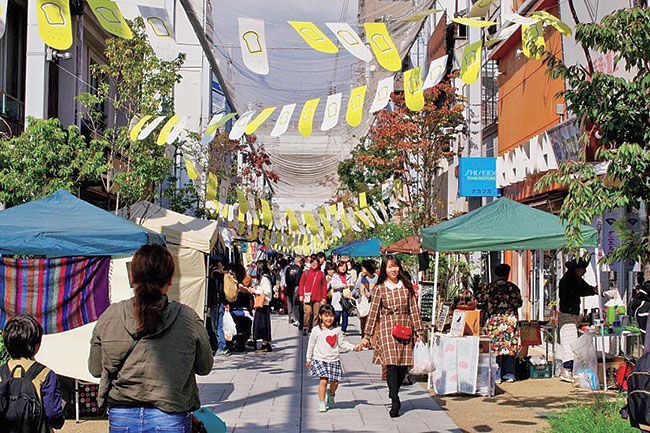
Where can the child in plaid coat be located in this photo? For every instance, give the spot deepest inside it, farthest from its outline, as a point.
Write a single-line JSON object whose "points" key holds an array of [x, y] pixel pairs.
{"points": [[323, 355]]}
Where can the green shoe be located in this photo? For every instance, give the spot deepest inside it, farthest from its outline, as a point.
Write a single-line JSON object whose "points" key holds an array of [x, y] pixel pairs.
{"points": [[322, 407], [330, 399]]}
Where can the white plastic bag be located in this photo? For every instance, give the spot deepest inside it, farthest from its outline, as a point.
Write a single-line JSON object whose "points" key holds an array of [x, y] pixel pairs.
{"points": [[585, 362], [229, 327], [363, 306], [421, 359]]}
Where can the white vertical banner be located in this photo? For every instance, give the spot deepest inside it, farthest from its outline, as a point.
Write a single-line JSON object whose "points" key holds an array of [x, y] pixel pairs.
{"points": [[350, 40], [436, 72], [210, 133], [382, 97], [176, 130], [332, 110], [240, 125], [3, 17], [160, 31], [224, 187], [284, 118], [253, 45], [144, 133]]}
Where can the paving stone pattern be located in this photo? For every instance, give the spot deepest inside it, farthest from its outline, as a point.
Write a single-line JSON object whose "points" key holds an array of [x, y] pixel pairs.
{"points": [[273, 392]]}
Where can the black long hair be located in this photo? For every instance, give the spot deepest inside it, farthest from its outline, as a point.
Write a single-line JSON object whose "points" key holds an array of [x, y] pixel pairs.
{"points": [[402, 276], [152, 268], [326, 309], [262, 270]]}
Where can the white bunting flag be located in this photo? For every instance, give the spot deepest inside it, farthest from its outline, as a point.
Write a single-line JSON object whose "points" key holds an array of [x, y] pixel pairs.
{"points": [[144, 133], [176, 130], [332, 110], [436, 72], [518, 19], [350, 40], [382, 97], [223, 192], [383, 210], [282, 123], [240, 125], [253, 45], [375, 215], [210, 133], [3, 17], [160, 31], [353, 222]]}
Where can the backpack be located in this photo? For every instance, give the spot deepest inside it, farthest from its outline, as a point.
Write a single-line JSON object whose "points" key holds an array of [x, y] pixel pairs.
{"points": [[21, 407], [637, 408]]}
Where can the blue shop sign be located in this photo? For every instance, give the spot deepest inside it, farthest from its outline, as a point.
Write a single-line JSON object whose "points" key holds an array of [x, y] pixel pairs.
{"points": [[477, 177]]}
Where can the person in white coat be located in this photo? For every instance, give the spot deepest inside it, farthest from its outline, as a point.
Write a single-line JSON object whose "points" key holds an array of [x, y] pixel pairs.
{"points": [[262, 319], [341, 284]]}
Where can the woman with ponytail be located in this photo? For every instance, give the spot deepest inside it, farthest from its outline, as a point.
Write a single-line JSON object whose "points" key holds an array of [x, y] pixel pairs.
{"points": [[147, 351]]}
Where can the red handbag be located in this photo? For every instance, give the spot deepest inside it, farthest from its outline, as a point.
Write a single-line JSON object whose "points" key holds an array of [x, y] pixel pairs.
{"points": [[401, 332]]}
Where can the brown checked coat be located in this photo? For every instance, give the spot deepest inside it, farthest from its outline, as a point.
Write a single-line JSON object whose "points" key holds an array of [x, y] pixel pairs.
{"points": [[388, 308]]}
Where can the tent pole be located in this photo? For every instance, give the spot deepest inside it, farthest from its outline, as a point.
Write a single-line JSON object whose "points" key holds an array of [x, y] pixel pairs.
{"points": [[76, 400], [434, 306], [207, 283], [602, 322], [540, 282]]}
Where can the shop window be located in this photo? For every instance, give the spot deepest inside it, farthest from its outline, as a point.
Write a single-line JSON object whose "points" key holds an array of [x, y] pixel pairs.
{"points": [[489, 93]]}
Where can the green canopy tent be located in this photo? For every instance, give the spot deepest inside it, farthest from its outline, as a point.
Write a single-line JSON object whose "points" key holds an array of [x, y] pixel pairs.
{"points": [[501, 225]]}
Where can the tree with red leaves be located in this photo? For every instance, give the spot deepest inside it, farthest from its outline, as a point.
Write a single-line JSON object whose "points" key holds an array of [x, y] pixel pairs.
{"points": [[408, 145]]}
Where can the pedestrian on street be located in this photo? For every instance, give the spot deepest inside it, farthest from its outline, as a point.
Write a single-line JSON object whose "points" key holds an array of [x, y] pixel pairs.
{"points": [[312, 292], [364, 286], [393, 314], [148, 351], [342, 286], [572, 288], [217, 305], [502, 300], [323, 358], [262, 319], [292, 279]]}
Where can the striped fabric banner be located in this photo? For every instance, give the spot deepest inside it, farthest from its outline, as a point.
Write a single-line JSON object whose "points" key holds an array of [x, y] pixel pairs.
{"points": [[61, 294]]}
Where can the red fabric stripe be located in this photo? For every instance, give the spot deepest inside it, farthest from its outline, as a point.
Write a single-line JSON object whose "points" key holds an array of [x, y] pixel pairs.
{"points": [[38, 314], [61, 293]]}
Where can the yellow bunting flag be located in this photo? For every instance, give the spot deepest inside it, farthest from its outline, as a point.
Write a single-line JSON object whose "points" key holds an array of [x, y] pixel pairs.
{"points": [[364, 219], [110, 18], [471, 63], [293, 221], [133, 135], [267, 216], [314, 36], [322, 213], [167, 129], [241, 199], [370, 215], [480, 8], [346, 222], [307, 117], [144, 132], [334, 213], [54, 23], [413, 94], [224, 211], [421, 15], [241, 216], [363, 200], [192, 173], [212, 128], [532, 40], [261, 118], [267, 238], [354, 115], [472, 22], [554, 21], [383, 46], [213, 182], [311, 222]]}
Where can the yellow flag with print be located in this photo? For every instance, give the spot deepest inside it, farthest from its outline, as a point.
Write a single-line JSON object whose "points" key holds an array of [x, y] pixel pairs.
{"points": [[314, 36], [293, 221], [54, 23], [192, 173], [383, 46], [213, 182], [354, 115], [257, 122], [413, 94], [241, 199], [472, 22], [554, 21], [311, 222], [133, 135], [307, 117], [267, 216], [480, 8], [364, 219], [166, 130], [471, 63], [110, 18], [532, 40], [363, 200]]}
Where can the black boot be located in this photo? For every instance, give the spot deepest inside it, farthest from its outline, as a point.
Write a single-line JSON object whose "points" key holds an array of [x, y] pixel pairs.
{"points": [[395, 407]]}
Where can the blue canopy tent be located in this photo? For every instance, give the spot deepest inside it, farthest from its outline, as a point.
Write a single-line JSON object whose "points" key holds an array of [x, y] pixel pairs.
{"points": [[367, 248], [63, 225]]}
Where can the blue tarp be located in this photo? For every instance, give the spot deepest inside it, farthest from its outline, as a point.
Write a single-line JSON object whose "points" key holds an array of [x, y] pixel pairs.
{"points": [[368, 248], [63, 225]]}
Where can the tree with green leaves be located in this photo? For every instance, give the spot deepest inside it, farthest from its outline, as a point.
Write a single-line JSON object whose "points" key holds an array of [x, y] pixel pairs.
{"points": [[616, 112], [408, 146], [44, 159], [135, 82]]}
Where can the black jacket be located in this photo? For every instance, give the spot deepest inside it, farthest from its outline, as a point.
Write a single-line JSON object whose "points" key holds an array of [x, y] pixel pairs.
{"points": [[216, 295], [292, 278], [572, 288]]}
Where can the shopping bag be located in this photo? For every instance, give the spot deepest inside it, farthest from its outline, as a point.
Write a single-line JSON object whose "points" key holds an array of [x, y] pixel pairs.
{"points": [[211, 422], [585, 361], [421, 359], [229, 327], [363, 306]]}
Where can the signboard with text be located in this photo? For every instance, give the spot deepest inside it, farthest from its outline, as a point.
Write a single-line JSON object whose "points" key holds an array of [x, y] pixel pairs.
{"points": [[477, 177]]}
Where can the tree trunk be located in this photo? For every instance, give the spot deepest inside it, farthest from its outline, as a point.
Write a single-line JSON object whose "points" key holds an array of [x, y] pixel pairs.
{"points": [[645, 262]]}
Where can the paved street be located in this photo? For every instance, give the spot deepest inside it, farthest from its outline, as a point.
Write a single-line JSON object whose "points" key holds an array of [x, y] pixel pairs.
{"points": [[273, 392]]}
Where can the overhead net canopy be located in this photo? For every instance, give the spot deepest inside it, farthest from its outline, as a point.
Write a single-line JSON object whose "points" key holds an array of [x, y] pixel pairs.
{"points": [[307, 166]]}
